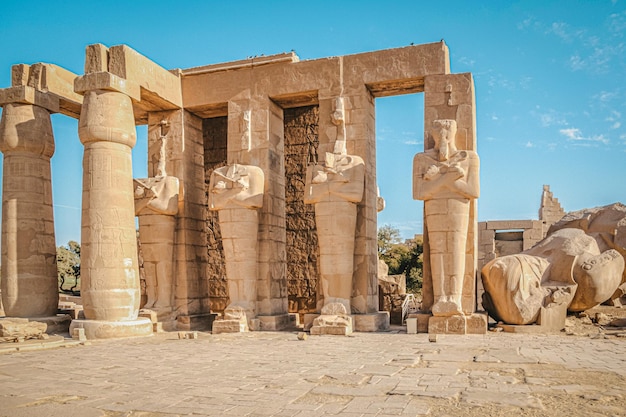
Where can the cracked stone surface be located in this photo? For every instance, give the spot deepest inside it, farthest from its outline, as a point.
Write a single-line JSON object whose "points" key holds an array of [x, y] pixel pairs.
{"points": [[275, 374]]}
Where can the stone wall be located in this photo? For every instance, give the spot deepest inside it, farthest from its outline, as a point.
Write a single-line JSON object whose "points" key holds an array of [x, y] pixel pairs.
{"points": [[550, 210], [301, 130], [214, 132]]}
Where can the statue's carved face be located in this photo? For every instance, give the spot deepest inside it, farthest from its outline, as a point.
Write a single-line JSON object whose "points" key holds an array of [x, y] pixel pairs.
{"points": [[444, 134]]}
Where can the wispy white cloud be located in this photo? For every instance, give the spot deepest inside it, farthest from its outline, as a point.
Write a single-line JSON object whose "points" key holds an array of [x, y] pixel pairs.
{"points": [[591, 52], [575, 135], [67, 207], [529, 144], [614, 119], [564, 31], [500, 81], [549, 117], [408, 229], [617, 23], [605, 96], [467, 61], [528, 22]]}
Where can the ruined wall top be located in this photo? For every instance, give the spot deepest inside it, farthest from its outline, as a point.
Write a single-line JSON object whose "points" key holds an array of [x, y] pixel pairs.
{"points": [[550, 210], [291, 83]]}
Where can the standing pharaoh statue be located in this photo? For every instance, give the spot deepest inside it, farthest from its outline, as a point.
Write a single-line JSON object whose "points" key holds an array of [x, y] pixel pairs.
{"points": [[446, 179], [236, 193], [157, 201], [336, 186]]}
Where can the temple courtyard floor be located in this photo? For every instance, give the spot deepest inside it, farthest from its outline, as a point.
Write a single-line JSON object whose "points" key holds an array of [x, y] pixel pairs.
{"points": [[276, 374]]}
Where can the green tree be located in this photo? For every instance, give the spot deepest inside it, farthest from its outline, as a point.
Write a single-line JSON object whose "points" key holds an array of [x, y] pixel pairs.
{"points": [[68, 267], [388, 236], [403, 258]]}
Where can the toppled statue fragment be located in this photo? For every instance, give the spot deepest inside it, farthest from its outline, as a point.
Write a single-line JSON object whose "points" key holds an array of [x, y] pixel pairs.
{"points": [[566, 270]]}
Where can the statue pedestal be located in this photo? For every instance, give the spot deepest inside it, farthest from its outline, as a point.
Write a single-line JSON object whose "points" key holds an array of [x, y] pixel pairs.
{"points": [[274, 323], [551, 320], [100, 329], [475, 323], [195, 321], [333, 325], [333, 320], [229, 326], [371, 322]]}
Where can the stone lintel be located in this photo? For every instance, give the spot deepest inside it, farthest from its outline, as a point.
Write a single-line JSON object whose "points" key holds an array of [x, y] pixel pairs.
{"points": [[160, 89], [509, 224], [286, 57], [23, 94], [107, 81], [52, 80], [299, 99], [405, 73], [396, 87]]}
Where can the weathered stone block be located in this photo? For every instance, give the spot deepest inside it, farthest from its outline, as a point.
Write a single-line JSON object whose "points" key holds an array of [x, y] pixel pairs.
{"points": [[371, 322], [20, 329]]}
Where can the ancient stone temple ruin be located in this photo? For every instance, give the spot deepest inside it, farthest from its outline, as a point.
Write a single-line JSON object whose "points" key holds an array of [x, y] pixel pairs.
{"points": [[261, 195]]}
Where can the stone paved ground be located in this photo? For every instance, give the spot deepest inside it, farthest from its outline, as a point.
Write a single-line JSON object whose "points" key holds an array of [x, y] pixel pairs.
{"points": [[275, 374]]}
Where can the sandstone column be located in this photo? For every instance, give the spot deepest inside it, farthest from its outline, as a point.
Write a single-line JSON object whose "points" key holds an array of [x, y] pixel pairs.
{"points": [[109, 268], [29, 273]]}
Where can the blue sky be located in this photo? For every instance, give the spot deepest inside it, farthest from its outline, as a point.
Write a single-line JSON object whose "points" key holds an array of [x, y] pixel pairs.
{"points": [[549, 77]]}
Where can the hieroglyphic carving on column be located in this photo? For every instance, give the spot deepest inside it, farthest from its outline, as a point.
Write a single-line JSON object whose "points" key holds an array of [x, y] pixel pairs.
{"points": [[110, 279], [236, 192], [29, 272], [446, 179]]}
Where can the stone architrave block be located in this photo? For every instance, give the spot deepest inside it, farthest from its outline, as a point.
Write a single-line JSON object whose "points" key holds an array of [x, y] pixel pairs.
{"points": [[159, 85], [509, 224], [56, 84], [29, 95]]}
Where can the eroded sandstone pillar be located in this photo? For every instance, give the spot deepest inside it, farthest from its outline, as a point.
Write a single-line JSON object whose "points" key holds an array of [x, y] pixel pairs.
{"points": [[29, 272], [109, 267]]}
